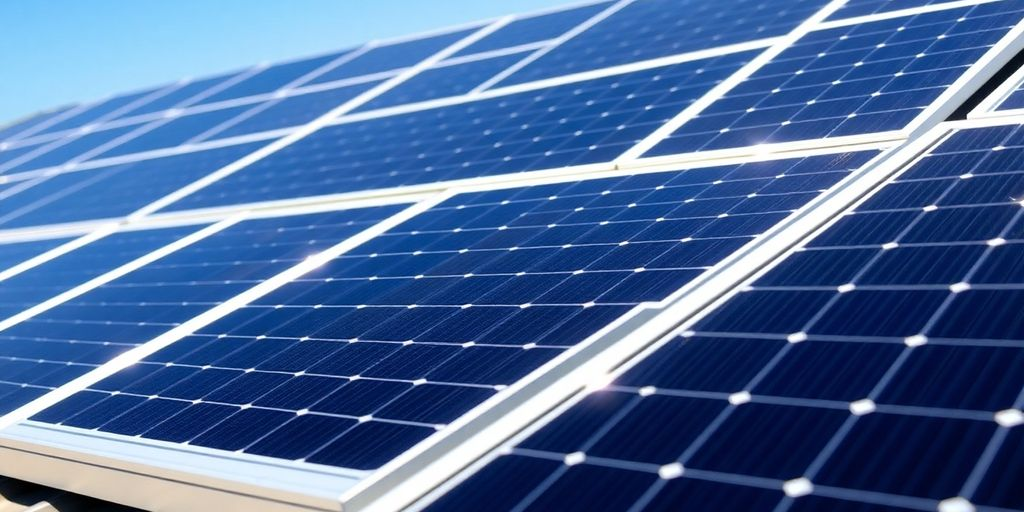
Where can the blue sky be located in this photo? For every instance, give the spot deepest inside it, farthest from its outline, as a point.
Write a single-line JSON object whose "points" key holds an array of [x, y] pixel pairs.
{"points": [[64, 51]]}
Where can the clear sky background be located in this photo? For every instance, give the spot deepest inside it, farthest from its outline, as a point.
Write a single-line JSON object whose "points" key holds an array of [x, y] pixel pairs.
{"points": [[65, 51]]}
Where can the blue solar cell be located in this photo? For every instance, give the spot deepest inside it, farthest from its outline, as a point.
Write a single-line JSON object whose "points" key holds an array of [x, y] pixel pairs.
{"points": [[535, 29], [290, 111], [648, 29], [774, 380], [392, 56], [71, 146], [586, 122], [9, 130], [854, 8], [68, 340], [850, 80], [174, 132], [113, 191], [180, 96], [444, 81], [1004, 492], [97, 112], [412, 329], [271, 79]]}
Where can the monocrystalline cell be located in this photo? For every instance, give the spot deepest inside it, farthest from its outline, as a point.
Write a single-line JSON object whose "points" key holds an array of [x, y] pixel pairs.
{"points": [[578, 123], [876, 367], [407, 332], [852, 80]]}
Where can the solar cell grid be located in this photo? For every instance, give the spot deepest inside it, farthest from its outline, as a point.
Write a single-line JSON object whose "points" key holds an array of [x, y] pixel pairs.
{"points": [[13, 253], [294, 110], [112, 191], [585, 122], [864, 78], [534, 29], [68, 148], [355, 363], [271, 79], [873, 368], [10, 154], [648, 29], [99, 111], [856, 8], [177, 131], [10, 130], [31, 367], [392, 56], [78, 335], [178, 96], [443, 81]]}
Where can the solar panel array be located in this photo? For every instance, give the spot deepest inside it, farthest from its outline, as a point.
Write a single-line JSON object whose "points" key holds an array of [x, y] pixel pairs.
{"points": [[625, 255]]}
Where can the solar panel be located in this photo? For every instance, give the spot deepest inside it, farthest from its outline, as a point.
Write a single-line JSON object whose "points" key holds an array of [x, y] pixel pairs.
{"points": [[76, 335], [577, 123], [180, 95], [890, 334], [402, 275], [179, 130], [856, 8], [645, 30], [11, 130], [17, 152], [293, 110], [26, 365], [412, 329], [535, 29], [112, 191], [15, 252], [391, 56], [271, 78], [65, 149], [444, 80], [864, 78], [96, 112]]}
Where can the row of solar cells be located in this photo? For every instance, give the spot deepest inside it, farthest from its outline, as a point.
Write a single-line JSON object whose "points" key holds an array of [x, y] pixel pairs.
{"points": [[362, 358], [875, 368], [368, 355], [851, 80], [486, 58]]}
